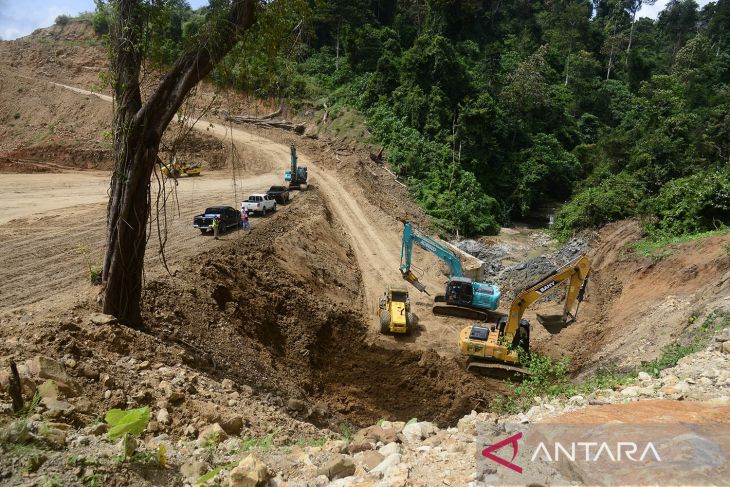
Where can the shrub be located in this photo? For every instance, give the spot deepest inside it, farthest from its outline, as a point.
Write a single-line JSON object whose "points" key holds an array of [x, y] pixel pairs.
{"points": [[617, 197], [692, 204], [62, 20], [100, 22]]}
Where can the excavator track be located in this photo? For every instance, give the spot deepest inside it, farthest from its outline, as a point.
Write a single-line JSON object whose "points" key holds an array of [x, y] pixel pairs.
{"points": [[497, 370], [460, 312]]}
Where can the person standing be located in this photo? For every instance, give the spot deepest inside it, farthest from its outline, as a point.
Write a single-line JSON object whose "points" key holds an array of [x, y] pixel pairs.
{"points": [[244, 220], [216, 227]]}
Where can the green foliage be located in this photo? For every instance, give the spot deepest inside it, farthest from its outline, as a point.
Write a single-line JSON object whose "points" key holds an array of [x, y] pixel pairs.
{"points": [[345, 432], [62, 20], [693, 204], [618, 196], [203, 479], [653, 246], [130, 422], [488, 112], [549, 377], [545, 169], [674, 352]]}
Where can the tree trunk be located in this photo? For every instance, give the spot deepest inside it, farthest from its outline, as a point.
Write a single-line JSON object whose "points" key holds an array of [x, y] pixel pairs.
{"points": [[138, 129], [631, 37], [337, 48]]}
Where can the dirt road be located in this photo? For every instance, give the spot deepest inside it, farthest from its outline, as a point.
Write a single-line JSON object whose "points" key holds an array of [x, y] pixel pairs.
{"points": [[65, 233]]}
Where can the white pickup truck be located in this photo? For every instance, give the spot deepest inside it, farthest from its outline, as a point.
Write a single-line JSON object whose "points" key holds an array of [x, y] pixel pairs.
{"points": [[259, 203]]}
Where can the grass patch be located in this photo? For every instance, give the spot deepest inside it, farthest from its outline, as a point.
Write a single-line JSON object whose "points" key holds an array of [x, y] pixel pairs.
{"points": [[656, 247], [549, 377], [316, 442]]}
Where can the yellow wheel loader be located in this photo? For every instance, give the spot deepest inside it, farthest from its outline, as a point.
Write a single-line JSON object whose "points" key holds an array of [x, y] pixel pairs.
{"points": [[177, 169], [492, 349], [395, 314]]}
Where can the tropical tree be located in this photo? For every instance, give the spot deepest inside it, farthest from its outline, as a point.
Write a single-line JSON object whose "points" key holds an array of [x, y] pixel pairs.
{"points": [[138, 128]]}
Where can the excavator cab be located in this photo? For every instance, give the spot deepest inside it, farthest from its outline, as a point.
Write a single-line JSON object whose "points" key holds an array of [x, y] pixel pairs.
{"points": [[459, 291]]}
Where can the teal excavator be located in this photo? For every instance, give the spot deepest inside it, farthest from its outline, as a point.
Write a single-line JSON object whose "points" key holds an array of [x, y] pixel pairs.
{"points": [[464, 297], [297, 175]]}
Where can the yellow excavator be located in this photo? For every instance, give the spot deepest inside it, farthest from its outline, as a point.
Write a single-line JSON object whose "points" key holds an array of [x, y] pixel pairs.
{"points": [[395, 314], [492, 349]]}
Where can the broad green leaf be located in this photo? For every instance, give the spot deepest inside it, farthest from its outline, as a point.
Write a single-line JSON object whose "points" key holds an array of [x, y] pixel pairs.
{"points": [[132, 421]]}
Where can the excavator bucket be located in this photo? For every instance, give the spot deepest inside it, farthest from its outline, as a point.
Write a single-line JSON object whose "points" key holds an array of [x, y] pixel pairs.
{"points": [[553, 323]]}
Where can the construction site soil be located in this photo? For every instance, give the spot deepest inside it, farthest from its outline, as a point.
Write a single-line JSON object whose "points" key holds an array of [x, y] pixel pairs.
{"points": [[281, 311], [288, 309]]}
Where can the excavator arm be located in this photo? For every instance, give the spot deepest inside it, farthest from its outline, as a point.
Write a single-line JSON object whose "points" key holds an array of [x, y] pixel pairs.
{"points": [[575, 272], [494, 350], [410, 235]]}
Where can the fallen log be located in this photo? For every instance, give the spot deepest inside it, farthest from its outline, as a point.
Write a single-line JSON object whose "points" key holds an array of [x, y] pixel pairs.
{"points": [[266, 122]]}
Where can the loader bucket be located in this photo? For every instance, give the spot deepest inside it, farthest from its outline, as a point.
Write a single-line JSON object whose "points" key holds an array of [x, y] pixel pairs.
{"points": [[553, 323]]}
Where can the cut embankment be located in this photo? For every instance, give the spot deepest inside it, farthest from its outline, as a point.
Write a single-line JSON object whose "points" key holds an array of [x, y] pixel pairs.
{"points": [[280, 309]]}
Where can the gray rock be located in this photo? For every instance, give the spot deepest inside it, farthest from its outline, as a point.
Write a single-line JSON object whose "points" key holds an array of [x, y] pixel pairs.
{"points": [[337, 468], [296, 405], [371, 459], [163, 416], [389, 449], [643, 376], [15, 432], [232, 424], [193, 470], [98, 429], [212, 434], [631, 391], [89, 372], [102, 319], [388, 462]]}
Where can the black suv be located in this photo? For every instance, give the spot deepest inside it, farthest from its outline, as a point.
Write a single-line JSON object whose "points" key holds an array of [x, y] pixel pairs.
{"points": [[230, 218]]}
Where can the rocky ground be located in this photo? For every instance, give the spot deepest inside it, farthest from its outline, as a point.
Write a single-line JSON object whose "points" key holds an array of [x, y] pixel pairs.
{"points": [[56, 443]]}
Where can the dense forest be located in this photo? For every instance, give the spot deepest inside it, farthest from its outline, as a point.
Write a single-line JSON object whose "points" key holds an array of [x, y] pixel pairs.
{"points": [[492, 109]]}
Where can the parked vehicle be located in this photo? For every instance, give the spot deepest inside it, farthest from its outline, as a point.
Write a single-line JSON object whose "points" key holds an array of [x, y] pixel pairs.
{"points": [[230, 218], [280, 194], [259, 203]]}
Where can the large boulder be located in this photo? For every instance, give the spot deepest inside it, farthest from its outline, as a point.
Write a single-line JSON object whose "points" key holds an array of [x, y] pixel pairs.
{"points": [[375, 434], [337, 468], [212, 434], [250, 472], [48, 368]]}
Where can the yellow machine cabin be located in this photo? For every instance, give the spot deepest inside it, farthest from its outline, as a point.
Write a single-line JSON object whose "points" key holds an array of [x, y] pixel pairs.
{"points": [[492, 348], [395, 312], [177, 169]]}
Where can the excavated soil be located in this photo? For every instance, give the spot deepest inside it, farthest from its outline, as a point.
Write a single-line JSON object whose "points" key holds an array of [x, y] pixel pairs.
{"points": [[289, 308], [636, 305], [280, 311]]}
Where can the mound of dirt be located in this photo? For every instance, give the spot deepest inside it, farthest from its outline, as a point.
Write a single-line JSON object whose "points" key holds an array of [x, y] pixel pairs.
{"points": [[288, 298]]}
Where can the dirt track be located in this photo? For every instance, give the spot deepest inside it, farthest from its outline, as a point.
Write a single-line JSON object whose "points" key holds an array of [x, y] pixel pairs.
{"points": [[374, 235]]}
